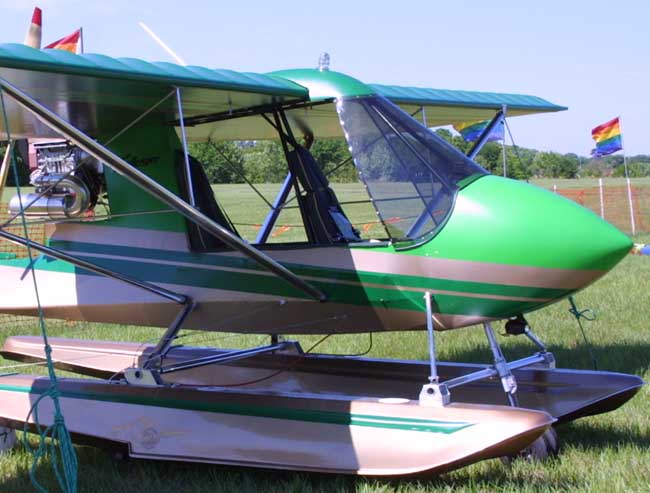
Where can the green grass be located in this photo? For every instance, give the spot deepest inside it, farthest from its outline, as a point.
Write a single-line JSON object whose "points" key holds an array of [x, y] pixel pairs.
{"points": [[603, 453]]}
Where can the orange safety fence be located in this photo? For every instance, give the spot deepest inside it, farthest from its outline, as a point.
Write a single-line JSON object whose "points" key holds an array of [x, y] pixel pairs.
{"points": [[615, 205], [8, 249]]}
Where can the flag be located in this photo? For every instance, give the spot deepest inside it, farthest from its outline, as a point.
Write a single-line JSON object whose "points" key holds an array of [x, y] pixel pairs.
{"points": [[69, 43], [607, 137], [471, 131], [33, 36]]}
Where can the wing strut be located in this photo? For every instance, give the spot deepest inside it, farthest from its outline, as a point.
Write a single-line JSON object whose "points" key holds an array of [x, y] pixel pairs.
{"points": [[152, 187], [483, 138]]}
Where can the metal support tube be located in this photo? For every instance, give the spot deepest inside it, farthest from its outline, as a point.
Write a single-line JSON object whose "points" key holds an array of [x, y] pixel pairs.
{"points": [[508, 381], [490, 371], [223, 358], [482, 140], [52, 252], [152, 187], [433, 373], [434, 393], [166, 341], [272, 216], [186, 157]]}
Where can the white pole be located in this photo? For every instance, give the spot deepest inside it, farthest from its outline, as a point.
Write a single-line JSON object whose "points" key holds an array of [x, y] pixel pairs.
{"points": [[504, 109], [602, 202], [629, 201], [162, 44], [627, 179], [554, 188]]}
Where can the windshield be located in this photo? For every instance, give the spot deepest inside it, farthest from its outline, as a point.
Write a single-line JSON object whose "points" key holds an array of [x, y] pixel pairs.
{"points": [[410, 173]]}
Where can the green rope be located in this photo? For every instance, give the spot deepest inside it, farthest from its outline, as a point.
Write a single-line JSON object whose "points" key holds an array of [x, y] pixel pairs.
{"points": [[589, 315], [60, 448]]}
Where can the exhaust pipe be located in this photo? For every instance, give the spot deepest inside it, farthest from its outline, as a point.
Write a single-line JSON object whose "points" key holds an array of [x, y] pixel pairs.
{"points": [[72, 202]]}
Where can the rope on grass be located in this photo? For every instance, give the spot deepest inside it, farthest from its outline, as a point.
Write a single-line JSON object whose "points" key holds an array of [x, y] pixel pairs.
{"points": [[60, 448], [588, 315]]}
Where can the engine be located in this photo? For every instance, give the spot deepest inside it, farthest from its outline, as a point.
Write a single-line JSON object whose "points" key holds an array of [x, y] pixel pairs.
{"points": [[68, 182]]}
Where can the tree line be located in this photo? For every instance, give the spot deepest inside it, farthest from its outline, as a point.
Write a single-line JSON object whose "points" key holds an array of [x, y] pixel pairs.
{"points": [[264, 162]]}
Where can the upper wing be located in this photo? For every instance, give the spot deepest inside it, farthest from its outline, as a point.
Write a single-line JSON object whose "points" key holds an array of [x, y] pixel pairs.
{"points": [[446, 107], [102, 95]]}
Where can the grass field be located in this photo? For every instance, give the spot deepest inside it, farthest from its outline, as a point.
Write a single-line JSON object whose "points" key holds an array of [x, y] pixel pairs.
{"points": [[604, 453]]}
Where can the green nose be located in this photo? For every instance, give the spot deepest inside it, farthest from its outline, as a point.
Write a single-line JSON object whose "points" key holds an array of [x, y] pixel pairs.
{"points": [[502, 221]]}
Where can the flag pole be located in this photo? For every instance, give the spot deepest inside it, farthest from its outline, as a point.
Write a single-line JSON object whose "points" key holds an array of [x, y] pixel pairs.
{"points": [[504, 108], [81, 40], [627, 180]]}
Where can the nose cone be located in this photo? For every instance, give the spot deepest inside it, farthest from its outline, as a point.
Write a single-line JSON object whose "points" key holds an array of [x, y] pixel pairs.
{"points": [[501, 221]]}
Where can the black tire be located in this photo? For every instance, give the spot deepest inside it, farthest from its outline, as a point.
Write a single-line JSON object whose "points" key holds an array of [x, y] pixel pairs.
{"points": [[544, 448]]}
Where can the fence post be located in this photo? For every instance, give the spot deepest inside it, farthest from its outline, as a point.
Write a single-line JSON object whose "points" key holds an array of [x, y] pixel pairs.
{"points": [[602, 202], [629, 199]]}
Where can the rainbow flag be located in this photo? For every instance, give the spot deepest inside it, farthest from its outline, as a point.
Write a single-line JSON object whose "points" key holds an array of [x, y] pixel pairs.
{"points": [[471, 131], [69, 43], [607, 137]]}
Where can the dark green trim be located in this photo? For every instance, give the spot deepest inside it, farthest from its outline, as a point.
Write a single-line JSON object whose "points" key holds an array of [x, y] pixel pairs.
{"points": [[471, 99], [307, 415], [19, 56], [322, 273]]}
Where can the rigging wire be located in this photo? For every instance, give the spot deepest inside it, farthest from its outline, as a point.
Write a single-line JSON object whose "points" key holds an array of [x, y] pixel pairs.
{"points": [[589, 315], [61, 442]]}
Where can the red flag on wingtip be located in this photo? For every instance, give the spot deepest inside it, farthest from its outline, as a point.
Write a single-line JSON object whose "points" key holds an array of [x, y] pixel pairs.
{"points": [[33, 36], [69, 43]]}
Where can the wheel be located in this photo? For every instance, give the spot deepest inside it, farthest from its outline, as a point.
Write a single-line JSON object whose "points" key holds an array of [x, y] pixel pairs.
{"points": [[543, 448]]}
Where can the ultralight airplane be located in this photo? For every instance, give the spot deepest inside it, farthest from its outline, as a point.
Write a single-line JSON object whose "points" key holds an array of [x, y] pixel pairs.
{"points": [[137, 236]]}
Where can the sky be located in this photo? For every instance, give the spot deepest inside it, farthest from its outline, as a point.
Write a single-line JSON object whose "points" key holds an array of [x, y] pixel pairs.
{"points": [[592, 56]]}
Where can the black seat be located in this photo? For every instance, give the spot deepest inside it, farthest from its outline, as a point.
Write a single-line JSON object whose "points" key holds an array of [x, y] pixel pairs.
{"points": [[325, 221], [199, 239]]}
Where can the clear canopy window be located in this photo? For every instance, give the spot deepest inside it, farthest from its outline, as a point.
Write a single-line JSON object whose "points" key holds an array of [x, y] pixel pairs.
{"points": [[410, 173]]}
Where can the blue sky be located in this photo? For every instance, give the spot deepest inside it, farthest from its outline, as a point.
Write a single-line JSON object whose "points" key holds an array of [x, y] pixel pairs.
{"points": [[592, 56]]}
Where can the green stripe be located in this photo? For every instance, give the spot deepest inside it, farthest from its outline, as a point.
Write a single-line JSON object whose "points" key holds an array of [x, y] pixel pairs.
{"points": [[324, 273], [358, 295], [307, 415]]}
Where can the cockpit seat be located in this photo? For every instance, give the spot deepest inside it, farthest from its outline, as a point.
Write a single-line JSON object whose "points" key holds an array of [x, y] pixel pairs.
{"points": [[325, 221], [199, 239]]}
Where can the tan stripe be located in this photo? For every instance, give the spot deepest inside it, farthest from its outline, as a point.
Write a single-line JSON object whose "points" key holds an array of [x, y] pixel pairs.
{"points": [[362, 259], [391, 287]]}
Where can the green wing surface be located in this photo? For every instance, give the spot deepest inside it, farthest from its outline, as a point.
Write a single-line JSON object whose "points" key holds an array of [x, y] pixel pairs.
{"points": [[446, 107], [100, 94]]}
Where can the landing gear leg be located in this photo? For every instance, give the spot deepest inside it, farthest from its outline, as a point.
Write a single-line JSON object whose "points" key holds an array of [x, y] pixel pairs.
{"points": [[508, 381], [434, 393]]}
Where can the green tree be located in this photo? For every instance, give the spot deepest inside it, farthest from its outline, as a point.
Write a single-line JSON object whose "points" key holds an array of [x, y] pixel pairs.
{"points": [[265, 162], [330, 153], [223, 161]]}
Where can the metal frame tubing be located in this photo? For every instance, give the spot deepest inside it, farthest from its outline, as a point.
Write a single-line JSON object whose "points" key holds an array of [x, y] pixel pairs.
{"points": [[276, 208], [225, 357], [482, 140], [186, 157], [152, 187]]}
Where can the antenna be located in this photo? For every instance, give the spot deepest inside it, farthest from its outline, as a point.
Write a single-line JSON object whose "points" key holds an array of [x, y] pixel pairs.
{"points": [[162, 44]]}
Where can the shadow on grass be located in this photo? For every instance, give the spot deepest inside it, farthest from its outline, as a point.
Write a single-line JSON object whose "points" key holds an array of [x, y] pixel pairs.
{"points": [[593, 436], [100, 473], [626, 357]]}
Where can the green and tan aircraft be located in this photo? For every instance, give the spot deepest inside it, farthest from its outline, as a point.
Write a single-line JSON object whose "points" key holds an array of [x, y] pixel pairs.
{"points": [[136, 235]]}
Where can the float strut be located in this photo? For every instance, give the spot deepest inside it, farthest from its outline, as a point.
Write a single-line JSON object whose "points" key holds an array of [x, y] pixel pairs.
{"points": [[434, 393], [508, 381]]}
